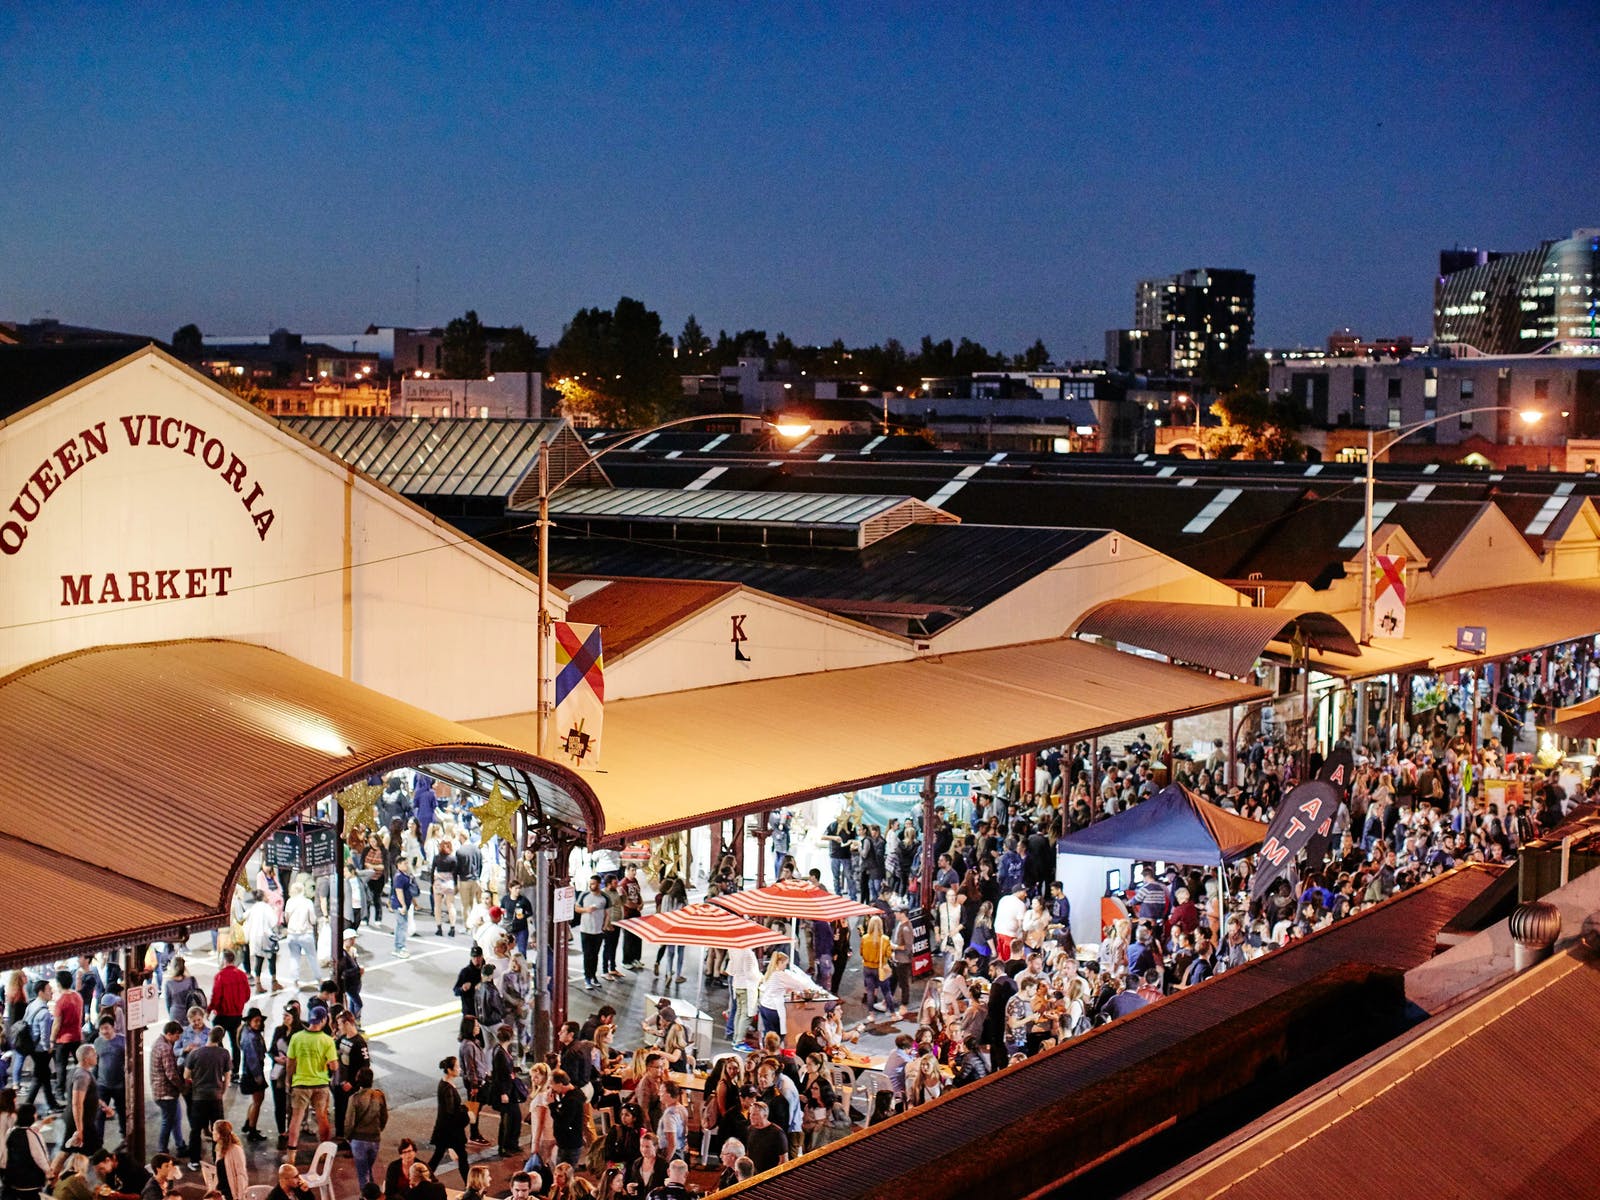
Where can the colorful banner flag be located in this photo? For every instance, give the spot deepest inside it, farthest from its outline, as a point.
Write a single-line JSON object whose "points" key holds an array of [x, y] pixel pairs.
{"points": [[1388, 596], [1341, 764], [1299, 816], [574, 733]]}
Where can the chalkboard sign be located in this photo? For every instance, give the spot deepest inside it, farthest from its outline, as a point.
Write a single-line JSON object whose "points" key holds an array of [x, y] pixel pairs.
{"points": [[921, 943], [304, 846]]}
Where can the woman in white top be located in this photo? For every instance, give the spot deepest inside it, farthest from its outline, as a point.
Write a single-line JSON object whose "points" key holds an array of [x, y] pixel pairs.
{"points": [[543, 1140], [780, 979]]}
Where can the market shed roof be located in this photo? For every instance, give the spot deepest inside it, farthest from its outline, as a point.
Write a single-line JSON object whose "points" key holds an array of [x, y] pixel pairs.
{"points": [[1214, 636], [1522, 1057], [685, 758], [143, 776], [422, 458]]}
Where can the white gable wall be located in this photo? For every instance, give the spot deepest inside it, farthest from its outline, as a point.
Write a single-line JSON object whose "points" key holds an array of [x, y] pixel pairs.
{"points": [[781, 638], [446, 626], [1114, 567]]}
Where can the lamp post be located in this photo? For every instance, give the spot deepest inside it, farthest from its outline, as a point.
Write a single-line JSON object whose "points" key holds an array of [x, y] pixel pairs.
{"points": [[788, 429], [1530, 416]]}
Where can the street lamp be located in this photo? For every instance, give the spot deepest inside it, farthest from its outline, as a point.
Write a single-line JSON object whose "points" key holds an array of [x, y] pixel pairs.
{"points": [[1529, 416], [790, 428]]}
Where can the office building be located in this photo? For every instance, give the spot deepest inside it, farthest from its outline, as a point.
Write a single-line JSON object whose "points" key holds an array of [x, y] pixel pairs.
{"points": [[1513, 303]]}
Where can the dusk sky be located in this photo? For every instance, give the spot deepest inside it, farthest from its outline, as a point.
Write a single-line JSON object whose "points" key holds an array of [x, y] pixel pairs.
{"points": [[1002, 172]]}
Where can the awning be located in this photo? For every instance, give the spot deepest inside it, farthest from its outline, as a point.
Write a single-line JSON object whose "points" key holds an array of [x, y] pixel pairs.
{"points": [[795, 900], [1518, 618], [1578, 721], [138, 780], [703, 925], [1174, 825], [1214, 636], [685, 758]]}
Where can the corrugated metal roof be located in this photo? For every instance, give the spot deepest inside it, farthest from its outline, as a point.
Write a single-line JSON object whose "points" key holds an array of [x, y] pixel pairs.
{"points": [[140, 777], [1038, 1121], [688, 757], [1518, 1067], [632, 611], [437, 456], [715, 506], [1212, 635], [950, 567]]}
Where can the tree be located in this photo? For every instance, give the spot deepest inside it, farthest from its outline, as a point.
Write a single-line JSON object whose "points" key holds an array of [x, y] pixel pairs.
{"points": [[466, 348], [1035, 358], [188, 343], [519, 351], [1256, 425], [693, 344], [617, 363]]}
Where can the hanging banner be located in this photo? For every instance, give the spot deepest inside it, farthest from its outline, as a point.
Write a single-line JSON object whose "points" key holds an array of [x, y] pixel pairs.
{"points": [[1299, 816], [1337, 770], [580, 695], [1388, 596]]}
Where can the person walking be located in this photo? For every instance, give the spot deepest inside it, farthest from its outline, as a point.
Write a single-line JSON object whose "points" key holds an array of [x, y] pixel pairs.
{"points": [[282, 1072], [612, 933], [507, 1091], [166, 1086], [403, 895], [450, 1118], [300, 927], [261, 936], [445, 869], [230, 992], [253, 1071], [354, 1057], [366, 1115], [591, 911], [207, 1070]]}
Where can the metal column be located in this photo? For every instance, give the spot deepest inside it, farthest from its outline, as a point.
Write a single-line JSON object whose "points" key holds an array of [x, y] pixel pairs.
{"points": [[930, 790], [133, 1059]]}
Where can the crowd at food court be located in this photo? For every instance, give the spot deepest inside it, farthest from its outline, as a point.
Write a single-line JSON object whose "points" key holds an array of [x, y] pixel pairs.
{"points": [[624, 1107]]}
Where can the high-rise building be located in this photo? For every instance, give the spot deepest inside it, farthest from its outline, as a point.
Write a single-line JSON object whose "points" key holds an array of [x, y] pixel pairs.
{"points": [[1513, 303], [1210, 313]]}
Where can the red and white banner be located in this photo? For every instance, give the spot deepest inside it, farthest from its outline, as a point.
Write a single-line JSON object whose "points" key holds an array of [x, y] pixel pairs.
{"points": [[1388, 596]]}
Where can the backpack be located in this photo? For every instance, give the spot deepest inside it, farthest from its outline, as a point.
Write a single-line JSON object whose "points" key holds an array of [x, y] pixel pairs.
{"points": [[22, 1036], [492, 1009]]}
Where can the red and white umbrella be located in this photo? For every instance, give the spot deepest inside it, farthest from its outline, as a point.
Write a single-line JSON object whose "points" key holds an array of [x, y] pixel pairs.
{"points": [[795, 900], [703, 925]]}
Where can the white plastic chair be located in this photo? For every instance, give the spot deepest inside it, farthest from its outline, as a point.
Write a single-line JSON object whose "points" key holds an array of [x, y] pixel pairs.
{"points": [[843, 1083], [208, 1175], [868, 1085], [318, 1177]]}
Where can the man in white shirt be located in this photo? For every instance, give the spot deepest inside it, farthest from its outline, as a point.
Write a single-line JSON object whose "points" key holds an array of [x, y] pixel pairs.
{"points": [[744, 981], [1008, 916]]}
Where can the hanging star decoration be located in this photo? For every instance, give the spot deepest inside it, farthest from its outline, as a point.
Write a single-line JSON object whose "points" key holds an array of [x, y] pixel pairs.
{"points": [[495, 815], [360, 804]]}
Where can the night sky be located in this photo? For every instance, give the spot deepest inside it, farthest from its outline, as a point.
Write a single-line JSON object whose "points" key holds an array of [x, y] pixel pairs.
{"points": [[1000, 172]]}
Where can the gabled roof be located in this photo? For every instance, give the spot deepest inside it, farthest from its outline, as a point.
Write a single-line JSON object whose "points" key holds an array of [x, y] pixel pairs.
{"points": [[1526, 1056], [438, 456], [633, 611], [865, 519], [949, 570]]}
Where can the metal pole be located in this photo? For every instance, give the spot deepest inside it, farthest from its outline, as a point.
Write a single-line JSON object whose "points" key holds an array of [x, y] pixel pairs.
{"points": [[543, 956], [133, 1061], [1366, 551], [561, 939], [336, 933], [930, 789], [543, 640], [1233, 743], [761, 850]]}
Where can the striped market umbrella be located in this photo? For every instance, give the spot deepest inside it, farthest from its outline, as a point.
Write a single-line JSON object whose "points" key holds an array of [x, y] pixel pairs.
{"points": [[795, 900], [703, 925]]}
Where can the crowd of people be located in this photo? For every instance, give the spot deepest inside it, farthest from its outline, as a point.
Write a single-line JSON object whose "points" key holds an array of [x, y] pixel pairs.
{"points": [[617, 1111]]}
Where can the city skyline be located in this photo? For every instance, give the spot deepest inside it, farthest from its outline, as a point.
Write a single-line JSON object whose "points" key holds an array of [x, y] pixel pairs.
{"points": [[823, 175]]}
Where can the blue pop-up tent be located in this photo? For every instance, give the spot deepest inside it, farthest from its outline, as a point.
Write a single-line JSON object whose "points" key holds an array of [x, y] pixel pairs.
{"points": [[1173, 826]]}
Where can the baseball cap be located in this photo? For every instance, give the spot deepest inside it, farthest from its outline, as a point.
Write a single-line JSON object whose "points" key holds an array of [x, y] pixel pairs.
{"points": [[318, 1014]]}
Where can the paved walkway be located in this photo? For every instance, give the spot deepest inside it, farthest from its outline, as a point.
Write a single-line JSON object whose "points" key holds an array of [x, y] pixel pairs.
{"points": [[410, 1006]]}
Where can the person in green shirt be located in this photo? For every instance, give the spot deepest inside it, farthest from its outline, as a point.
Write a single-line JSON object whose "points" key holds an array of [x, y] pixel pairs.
{"points": [[312, 1056]]}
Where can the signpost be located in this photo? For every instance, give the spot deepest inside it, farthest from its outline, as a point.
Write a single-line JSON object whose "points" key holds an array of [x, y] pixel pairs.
{"points": [[303, 846], [141, 1006], [566, 904]]}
